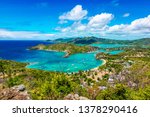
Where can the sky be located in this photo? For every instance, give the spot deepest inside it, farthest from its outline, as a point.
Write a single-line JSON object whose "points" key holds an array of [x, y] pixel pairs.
{"points": [[51, 19]]}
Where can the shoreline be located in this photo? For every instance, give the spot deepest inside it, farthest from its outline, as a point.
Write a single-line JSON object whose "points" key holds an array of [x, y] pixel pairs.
{"points": [[93, 69], [103, 63]]}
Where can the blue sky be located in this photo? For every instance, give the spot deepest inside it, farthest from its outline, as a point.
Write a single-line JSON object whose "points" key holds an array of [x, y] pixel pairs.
{"points": [[47, 19]]}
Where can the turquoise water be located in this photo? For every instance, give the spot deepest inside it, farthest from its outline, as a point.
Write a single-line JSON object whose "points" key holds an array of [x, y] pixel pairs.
{"points": [[108, 45], [105, 46], [115, 52], [54, 61], [49, 60]]}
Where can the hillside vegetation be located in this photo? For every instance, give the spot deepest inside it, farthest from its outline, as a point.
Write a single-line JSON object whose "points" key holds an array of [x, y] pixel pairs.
{"points": [[65, 47], [91, 40]]}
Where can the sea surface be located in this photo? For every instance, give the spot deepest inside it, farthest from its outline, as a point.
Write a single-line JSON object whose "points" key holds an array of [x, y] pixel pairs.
{"points": [[49, 60], [108, 45]]}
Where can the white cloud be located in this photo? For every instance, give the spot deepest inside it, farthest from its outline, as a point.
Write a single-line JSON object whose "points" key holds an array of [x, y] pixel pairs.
{"points": [[141, 24], [78, 26], [77, 13], [100, 20], [138, 28], [126, 15], [98, 26], [75, 27], [63, 22], [138, 25], [66, 29], [23, 35], [117, 28], [96, 23]]}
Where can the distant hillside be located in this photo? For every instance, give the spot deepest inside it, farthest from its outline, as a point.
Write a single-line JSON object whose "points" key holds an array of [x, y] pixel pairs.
{"points": [[144, 41], [90, 40], [85, 40], [62, 40]]}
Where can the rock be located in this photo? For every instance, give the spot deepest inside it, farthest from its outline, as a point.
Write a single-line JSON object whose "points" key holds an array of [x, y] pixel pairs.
{"points": [[13, 94], [21, 87], [102, 87], [69, 97], [75, 97], [132, 84], [2, 80], [83, 98]]}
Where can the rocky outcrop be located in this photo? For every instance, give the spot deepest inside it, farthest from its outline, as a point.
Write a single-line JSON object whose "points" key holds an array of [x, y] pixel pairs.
{"points": [[75, 97], [14, 93]]}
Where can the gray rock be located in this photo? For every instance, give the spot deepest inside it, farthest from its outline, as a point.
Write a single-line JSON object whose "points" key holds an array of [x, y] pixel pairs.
{"points": [[76, 96], [102, 87], [83, 98], [21, 87]]}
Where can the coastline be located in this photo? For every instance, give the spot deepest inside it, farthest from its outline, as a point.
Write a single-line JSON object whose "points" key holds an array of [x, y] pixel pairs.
{"points": [[93, 69], [103, 63]]}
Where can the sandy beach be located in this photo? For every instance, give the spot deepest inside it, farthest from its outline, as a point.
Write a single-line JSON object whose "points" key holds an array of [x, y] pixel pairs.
{"points": [[103, 63]]}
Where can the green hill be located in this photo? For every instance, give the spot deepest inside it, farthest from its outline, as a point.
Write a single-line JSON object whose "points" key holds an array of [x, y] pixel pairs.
{"points": [[65, 47], [144, 41], [90, 40]]}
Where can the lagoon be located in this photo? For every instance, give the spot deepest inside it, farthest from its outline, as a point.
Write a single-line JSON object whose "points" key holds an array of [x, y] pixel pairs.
{"points": [[48, 60]]}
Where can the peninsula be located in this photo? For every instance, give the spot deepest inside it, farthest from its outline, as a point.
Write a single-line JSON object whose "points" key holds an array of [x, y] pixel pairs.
{"points": [[68, 48]]}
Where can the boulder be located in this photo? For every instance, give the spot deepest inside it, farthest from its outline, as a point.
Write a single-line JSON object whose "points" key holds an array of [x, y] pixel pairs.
{"points": [[75, 97], [21, 87]]}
